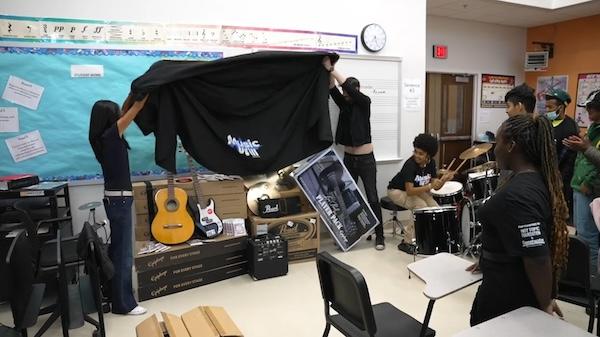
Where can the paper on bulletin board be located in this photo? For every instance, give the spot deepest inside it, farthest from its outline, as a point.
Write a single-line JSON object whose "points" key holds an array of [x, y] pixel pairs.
{"points": [[544, 84], [26, 146], [22, 92], [9, 119], [586, 83], [494, 89], [411, 95], [87, 70]]}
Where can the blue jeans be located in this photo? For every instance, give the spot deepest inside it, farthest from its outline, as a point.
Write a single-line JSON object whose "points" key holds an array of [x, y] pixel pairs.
{"points": [[586, 227], [120, 251]]}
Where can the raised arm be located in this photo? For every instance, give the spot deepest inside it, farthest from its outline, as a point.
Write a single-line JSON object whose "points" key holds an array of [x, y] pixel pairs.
{"points": [[132, 110]]}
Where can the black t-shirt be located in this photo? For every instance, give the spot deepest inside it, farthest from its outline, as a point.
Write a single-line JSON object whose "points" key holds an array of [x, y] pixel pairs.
{"points": [[566, 158], [354, 125], [115, 166], [411, 172], [516, 223]]}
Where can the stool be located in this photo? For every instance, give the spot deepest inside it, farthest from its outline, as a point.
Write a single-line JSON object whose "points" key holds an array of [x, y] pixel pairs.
{"points": [[388, 204]]}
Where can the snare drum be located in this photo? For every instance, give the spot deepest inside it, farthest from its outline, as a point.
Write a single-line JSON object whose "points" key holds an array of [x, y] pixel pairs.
{"points": [[482, 184], [436, 230], [450, 194]]}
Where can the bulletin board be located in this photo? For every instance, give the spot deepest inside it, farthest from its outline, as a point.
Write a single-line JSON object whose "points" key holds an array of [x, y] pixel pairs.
{"points": [[62, 116]]}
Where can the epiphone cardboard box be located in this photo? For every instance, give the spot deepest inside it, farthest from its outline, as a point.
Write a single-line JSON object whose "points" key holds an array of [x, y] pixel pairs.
{"points": [[184, 253], [302, 232], [175, 285], [226, 206], [161, 275]]}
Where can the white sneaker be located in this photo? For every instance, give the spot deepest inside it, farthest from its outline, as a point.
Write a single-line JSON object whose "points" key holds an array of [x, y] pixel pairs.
{"points": [[138, 311]]}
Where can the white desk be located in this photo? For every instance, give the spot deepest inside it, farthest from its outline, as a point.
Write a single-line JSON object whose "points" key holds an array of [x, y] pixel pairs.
{"points": [[443, 274], [524, 322]]}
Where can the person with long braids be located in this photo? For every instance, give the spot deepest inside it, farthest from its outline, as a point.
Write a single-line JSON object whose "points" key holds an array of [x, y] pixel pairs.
{"points": [[524, 229]]}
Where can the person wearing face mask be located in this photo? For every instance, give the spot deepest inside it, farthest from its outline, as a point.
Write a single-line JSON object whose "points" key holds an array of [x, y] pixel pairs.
{"points": [[563, 127]]}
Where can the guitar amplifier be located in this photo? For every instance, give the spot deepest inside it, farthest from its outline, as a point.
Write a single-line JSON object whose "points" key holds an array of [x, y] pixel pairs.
{"points": [[267, 256]]}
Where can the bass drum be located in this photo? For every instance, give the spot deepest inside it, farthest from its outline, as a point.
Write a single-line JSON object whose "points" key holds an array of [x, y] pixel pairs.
{"points": [[470, 228]]}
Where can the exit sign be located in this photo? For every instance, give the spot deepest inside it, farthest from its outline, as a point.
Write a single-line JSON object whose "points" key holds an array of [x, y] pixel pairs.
{"points": [[440, 51]]}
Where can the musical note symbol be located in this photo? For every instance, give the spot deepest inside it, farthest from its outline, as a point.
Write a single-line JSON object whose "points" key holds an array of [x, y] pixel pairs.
{"points": [[203, 34], [59, 29], [130, 31], [29, 28], [72, 29], [83, 30], [9, 27], [156, 32], [98, 29], [45, 28]]}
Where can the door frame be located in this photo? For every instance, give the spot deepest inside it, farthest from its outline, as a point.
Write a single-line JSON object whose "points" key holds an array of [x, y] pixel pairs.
{"points": [[476, 93]]}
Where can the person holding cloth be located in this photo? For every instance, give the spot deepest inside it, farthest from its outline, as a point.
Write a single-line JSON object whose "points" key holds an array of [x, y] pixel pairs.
{"points": [[563, 127], [107, 126], [524, 230], [586, 180], [411, 187], [354, 132]]}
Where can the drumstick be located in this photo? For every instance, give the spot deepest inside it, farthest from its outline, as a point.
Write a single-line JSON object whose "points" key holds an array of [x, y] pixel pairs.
{"points": [[459, 166], [451, 163]]}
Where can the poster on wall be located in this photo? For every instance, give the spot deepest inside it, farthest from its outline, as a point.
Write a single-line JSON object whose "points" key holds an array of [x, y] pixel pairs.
{"points": [[545, 83], [334, 194], [494, 88], [586, 83]]}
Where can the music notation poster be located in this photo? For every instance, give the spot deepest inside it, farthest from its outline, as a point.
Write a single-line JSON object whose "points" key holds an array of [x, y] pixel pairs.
{"points": [[333, 193], [59, 30]]}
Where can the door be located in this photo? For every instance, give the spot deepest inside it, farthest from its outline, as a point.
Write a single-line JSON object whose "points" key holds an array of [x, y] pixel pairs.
{"points": [[449, 114]]}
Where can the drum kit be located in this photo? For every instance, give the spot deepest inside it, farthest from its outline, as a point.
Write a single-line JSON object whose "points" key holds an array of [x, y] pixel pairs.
{"points": [[453, 226]]}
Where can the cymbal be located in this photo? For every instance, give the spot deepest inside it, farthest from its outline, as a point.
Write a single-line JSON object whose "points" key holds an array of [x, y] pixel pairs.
{"points": [[252, 180], [475, 151], [90, 205], [262, 190], [490, 165]]}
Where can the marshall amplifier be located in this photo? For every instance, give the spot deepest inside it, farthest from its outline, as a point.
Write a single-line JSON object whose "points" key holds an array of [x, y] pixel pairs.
{"points": [[279, 207], [267, 256]]}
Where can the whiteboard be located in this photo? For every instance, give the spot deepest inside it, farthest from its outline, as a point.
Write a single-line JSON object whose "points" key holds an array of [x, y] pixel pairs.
{"points": [[380, 79]]}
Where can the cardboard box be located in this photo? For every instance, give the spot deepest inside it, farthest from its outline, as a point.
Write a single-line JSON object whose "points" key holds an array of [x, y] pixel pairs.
{"points": [[183, 253], [142, 233], [175, 285], [302, 232], [159, 276], [226, 205], [199, 322], [205, 187]]}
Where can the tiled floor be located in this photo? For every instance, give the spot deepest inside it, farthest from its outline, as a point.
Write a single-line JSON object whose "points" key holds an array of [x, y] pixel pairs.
{"points": [[292, 305]]}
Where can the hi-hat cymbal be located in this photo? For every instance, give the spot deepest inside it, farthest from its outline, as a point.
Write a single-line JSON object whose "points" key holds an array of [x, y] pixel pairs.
{"points": [[475, 151], [90, 205], [261, 191], [490, 165]]}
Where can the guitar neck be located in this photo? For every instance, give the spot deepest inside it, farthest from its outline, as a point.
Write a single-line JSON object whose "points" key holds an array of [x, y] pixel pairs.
{"points": [[170, 186], [195, 181]]}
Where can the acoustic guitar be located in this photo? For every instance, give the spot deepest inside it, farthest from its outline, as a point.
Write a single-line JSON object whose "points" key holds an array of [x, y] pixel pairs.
{"points": [[172, 224]]}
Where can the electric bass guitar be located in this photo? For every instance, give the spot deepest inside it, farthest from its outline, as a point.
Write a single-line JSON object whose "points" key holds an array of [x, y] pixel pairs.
{"points": [[172, 223], [207, 221]]}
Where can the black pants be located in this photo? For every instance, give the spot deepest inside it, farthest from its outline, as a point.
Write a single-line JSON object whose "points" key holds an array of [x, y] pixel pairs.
{"points": [[363, 166]]}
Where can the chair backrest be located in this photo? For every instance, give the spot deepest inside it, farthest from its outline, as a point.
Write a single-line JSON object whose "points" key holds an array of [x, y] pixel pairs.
{"points": [[577, 273], [25, 295], [345, 289]]}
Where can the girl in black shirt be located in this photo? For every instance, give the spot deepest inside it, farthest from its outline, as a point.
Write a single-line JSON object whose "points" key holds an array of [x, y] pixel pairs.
{"points": [[524, 233], [107, 125]]}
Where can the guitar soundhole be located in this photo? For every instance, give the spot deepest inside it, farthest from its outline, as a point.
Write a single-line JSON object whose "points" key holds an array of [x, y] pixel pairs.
{"points": [[171, 205]]}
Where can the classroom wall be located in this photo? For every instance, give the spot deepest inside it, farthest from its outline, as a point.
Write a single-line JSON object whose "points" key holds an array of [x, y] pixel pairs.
{"points": [[477, 48], [576, 50], [403, 21]]}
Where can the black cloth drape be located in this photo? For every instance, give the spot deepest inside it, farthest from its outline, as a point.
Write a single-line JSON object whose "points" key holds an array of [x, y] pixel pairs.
{"points": [[248, 114]]}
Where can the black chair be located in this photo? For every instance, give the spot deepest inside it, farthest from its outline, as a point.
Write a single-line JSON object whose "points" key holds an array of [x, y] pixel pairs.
{"points": [[575, 286], [25, 295], [345, 290]]}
